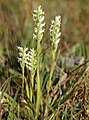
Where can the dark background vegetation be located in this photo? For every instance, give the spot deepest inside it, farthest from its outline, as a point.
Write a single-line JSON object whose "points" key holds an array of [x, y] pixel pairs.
{"points": [[16, 27]]}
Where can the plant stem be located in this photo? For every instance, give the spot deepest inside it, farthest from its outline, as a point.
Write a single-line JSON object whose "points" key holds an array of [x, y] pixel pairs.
{"points": [[52, 69], [38, 78], [22, 80], [49, 82], [31, 88]]}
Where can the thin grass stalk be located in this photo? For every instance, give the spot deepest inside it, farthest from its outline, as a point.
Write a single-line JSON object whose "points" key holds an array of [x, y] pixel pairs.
{"points": [[18, 112], [27, 87]]}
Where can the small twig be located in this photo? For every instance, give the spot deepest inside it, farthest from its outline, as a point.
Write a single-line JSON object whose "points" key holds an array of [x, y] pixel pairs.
{"points": [[80, 66]]}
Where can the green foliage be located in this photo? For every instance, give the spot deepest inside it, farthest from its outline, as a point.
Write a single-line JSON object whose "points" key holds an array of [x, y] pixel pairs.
{"points": [[47, 88]]}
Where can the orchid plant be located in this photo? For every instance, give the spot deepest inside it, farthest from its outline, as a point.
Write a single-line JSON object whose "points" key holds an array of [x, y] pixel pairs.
{"points": [[31, 58]]}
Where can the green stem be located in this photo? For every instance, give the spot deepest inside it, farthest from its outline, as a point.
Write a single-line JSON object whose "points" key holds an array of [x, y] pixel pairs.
{"points": [[22, 80], [38, 93], [49, 82], [38, 79], [31, 88], [51, 70]]}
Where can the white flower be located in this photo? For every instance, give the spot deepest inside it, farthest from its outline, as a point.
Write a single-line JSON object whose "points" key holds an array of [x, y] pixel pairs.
{"points": [[22, 56], [27, 58], [31, 61], [55, 31], [38, 17]]}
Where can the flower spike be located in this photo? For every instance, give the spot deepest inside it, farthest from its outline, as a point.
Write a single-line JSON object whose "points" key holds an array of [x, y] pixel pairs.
{"points": [[38, 17], [55, 31]]}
